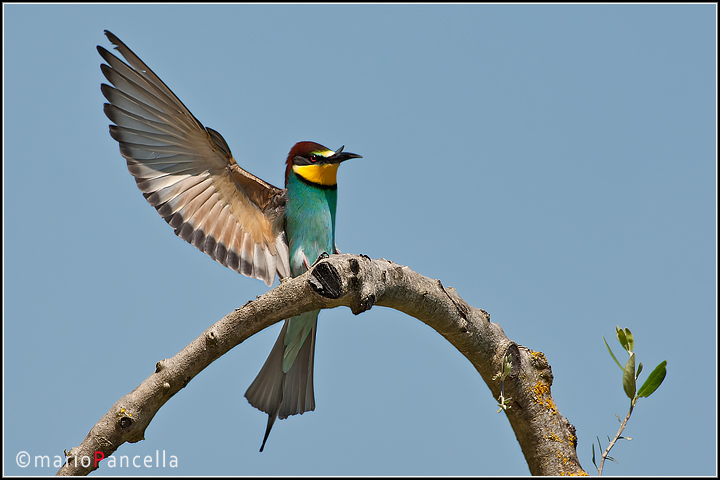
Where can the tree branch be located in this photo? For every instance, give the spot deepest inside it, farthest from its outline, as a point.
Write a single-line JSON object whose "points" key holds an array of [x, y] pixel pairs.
{"points": [[547, 439]]}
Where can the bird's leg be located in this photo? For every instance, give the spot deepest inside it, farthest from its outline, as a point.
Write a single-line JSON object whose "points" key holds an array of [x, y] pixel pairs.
{"points": [[322, 256]]}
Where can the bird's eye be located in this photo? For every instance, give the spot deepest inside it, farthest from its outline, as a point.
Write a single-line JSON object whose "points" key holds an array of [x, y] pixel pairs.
{"points": [[314, 158]]}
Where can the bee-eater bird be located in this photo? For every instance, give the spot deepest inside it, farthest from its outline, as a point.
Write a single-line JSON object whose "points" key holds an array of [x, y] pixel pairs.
{"points": [[186, 171]]}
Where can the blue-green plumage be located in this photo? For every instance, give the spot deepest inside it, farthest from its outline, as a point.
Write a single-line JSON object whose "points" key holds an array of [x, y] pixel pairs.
{"points": [[310, 228]]}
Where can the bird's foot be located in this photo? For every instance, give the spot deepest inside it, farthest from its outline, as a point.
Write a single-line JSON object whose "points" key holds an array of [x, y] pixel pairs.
{"points": [[322, 256]]}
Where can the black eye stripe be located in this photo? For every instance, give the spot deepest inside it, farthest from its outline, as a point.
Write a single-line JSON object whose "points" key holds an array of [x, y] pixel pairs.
{"points": [[311, 159]]}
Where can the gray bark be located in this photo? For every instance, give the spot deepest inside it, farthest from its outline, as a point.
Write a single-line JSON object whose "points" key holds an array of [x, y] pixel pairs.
{"points": [[547, 439]]}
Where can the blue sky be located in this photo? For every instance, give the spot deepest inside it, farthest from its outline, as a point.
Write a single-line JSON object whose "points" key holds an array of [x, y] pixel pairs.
{"points": [[555, 164]]}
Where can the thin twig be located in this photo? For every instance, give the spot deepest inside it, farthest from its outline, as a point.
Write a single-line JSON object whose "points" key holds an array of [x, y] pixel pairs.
{"points": [[618, 435]]}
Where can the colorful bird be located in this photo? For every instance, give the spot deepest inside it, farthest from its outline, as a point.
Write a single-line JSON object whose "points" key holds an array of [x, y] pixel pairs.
{"points": [[186, 171]]}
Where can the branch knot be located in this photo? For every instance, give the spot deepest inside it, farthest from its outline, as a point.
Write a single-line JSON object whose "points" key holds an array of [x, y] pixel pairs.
{"points": [[326, 281]]}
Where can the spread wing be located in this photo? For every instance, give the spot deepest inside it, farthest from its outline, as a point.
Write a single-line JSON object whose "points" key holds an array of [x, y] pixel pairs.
{"points": [[186, 171]]}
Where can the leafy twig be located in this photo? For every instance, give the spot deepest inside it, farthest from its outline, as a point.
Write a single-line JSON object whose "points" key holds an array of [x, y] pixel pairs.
{"points": [[630, 376]]}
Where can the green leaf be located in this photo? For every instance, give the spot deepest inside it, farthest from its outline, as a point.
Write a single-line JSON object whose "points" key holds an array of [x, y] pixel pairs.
{"points": [[620, 334], [629, 377], [654, 380], [612, 354], [630, 340], [639, 370]]}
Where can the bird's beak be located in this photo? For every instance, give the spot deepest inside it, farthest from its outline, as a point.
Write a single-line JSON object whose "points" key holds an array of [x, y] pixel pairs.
{"points": [[340, 156]]}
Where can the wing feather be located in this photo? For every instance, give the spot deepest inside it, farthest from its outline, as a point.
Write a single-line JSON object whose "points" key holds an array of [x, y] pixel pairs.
{"points": [[186, 171]]}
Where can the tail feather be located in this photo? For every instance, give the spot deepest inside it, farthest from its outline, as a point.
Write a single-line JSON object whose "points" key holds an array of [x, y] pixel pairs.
{"points": [[298, 392], [266, 391], [283, 394], [271, 421]]}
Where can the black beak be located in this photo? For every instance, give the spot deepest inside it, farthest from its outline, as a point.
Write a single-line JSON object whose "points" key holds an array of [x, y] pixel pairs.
{"points": [[341, 156]]}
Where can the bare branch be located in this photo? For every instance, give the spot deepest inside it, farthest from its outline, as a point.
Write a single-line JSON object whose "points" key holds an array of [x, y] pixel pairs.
{"points": [[547, 439], [618, 436]]}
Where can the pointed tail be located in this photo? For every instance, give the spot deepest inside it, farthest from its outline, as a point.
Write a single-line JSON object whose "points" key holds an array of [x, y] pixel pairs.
{"points": [[283, 394]]}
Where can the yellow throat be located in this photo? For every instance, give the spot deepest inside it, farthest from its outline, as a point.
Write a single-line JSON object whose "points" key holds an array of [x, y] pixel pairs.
{"points": [[320, 174]]}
